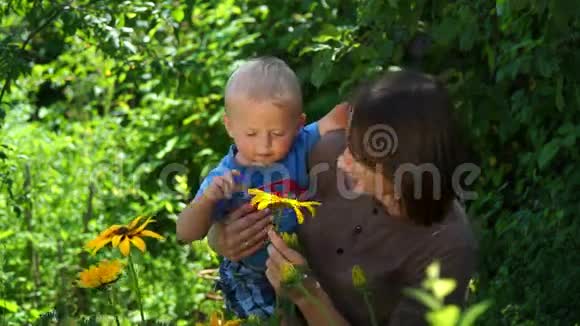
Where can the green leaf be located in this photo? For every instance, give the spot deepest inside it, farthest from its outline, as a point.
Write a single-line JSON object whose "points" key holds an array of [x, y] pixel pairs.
{"points": [[168, 147], [559, 97], [205, 152], [443, 287], [129, 46], [178, 14], [322, 69], [11, 306], [547, 153], [215, 118], [314, 48], [447, 316], [424, 297], [6, 234], [446, 31], [500, 7], [489, 51], [433, 270], [471, 315]]}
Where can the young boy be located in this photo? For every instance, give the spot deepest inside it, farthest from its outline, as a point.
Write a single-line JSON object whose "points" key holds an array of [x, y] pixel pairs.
{"points": [[264, 117]]}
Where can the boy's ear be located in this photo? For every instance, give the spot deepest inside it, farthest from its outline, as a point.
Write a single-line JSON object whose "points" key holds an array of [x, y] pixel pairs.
{"points": [[227, 124], [302, 120]]}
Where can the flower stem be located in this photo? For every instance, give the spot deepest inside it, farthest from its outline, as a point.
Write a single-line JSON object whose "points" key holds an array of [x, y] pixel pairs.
{"points": [[370, 307], [278, 218], [136, 287], [112, 301], [317, 303]]}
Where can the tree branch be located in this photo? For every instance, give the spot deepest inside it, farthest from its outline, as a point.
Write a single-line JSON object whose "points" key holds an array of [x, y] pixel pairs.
{"points": [[50, 19]]}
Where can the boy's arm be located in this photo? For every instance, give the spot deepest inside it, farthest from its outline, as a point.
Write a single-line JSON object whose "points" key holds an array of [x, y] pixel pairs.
{"points": [[336, 119], [194, 222]]}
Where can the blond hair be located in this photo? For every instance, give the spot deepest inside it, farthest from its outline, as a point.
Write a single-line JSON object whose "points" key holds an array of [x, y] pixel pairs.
{"points": [[265, 79]]}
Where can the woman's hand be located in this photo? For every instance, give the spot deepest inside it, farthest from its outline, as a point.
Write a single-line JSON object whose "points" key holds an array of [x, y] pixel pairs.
{"points": [[280, 254], [313, 302], [241, 234]]}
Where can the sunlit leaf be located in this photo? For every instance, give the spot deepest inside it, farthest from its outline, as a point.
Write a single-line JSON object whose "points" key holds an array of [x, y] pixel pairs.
{"points": [[446, 316]]}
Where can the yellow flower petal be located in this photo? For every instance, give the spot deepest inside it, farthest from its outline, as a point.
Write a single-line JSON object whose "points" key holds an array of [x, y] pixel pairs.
{"points": [[134, 223], [102, 239], [262, 205], [100, 275], [142, 227], [110, 231], [255, 191], [147, 233], [214, 320], [125, 247], [288, 274], [254, 201], [299, 215], [359, 279], [116, 240], [96, 244], [139, 243], [310, 206], [263, 200]]}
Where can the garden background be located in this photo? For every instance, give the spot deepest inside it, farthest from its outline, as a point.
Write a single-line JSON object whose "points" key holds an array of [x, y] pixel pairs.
{"points": [[112, 109]]}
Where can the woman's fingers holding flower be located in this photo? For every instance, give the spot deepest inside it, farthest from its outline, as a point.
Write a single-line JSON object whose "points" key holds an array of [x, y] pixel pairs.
{"points": [[284, 251], [273, 275], [237, 214], [244, 232], [275, 257], [277, 272], [256, 229], [253, 244]]}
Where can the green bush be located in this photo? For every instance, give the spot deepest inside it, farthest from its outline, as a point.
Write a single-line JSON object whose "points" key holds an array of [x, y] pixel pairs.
{"points": [[112, 109]]}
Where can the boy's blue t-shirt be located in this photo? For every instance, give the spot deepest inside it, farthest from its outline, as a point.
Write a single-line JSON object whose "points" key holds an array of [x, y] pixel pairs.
{"points": [[287, 177]]}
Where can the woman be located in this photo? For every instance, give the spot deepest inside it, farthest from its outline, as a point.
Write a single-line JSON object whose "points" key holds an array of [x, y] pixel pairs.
{"points": [[404, 217]]}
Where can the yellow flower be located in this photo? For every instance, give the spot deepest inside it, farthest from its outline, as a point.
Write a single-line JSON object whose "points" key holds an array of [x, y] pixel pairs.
{"points": [[291, 240], [123, 236], [106, 272], [359, 279], [289, 274], [217, 319], [263, 199]]}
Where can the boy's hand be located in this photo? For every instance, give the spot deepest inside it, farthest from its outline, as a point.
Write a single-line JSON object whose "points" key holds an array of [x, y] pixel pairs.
{"points": [[341, 114], [222, 187]]}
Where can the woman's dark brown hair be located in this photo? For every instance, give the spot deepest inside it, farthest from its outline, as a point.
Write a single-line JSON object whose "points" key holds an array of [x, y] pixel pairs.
{"points": [[404, 122]]}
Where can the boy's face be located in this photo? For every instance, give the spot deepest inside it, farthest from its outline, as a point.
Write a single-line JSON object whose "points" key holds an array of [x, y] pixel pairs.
{"points": [[262, 131]]}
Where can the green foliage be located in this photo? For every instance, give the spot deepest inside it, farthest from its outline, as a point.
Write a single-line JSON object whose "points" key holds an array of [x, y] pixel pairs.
{"points": [[110, 109], [432, 295]]}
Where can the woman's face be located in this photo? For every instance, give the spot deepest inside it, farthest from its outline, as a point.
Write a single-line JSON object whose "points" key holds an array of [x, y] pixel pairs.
{"points": [[364, 179]]}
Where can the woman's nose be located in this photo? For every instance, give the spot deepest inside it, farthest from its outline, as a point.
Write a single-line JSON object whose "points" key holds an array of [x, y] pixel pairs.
{"points": [[342, 164]]}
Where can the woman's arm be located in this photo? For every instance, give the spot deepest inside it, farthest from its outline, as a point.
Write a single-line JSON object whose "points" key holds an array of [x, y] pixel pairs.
{"points": [[241, 234], [321, 312], [313, 302]]}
